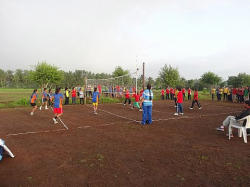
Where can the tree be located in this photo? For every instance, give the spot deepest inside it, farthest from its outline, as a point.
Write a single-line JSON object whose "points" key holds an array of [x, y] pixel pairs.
{"points": [[210, 78], [190, 84], [243, 79], [169, 76], [9, 78], [182, 82], [125, 80], [46, 75], [232, 81], [27, 77], [150, 81], [2, 78]]}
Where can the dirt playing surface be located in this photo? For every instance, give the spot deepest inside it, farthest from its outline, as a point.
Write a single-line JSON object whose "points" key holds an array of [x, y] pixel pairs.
{"points": [[113, 149]]}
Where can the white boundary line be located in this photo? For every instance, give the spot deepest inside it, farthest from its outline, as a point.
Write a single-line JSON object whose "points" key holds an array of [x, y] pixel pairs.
{"points": [[130, 121], [61, 120]]}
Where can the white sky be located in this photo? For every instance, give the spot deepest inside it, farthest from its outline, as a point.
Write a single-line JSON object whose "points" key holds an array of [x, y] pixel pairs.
{"points": [[96, 35]]}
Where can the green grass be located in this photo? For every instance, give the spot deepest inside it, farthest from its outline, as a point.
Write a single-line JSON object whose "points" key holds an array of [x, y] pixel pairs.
{"points": [[20, 97]]}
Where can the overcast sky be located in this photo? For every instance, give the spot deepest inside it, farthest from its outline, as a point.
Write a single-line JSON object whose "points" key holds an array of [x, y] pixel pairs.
{"points": [[96, 35]]}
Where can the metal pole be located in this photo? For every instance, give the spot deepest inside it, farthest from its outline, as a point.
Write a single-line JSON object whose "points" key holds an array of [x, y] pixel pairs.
{"points": [[85, 89], [143, 76]]}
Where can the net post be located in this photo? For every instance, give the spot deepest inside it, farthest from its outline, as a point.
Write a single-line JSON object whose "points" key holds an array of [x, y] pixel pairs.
{"points": [[85, 89]]}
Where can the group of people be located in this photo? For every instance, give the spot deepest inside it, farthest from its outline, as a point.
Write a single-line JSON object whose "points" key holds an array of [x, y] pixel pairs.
{"points": [[179, 97], [56, 99], [170, 93], [230, 94]]}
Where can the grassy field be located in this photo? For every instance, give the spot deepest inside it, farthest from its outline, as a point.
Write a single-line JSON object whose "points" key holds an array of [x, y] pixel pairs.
{"points": [[20, 97]]}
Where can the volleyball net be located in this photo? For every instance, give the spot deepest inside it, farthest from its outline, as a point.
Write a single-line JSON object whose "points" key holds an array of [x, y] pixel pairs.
{"points": [[115, 86]]}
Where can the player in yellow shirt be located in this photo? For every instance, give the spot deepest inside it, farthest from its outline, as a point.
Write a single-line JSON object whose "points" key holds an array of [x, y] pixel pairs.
{"points": [[225, 90], [176, 96], [220, 93], [213, 92]]}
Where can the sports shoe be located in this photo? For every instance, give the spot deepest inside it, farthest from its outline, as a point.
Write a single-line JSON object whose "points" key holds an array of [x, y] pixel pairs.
{"points": [[220, 129], [1, 157], [132, 108], [175, 106], [31, 113], [140, 110], [200, 108], [142, 123], [176, 114], [46, 108], [191, 108], [124, 104], [55, 122], [40, 108], [231, 135], [181, 113], [95, 113]]}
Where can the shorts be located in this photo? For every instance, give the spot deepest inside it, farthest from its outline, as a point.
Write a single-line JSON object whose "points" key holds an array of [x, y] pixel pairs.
{"points": [[44, 100], [58, 110], [95, 104], [33, 104]]}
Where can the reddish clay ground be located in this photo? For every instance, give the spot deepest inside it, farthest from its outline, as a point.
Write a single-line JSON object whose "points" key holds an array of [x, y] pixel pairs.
{"points": [[113, 149]]}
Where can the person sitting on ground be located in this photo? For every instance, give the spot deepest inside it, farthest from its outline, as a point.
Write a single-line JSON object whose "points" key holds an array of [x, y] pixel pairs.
{"points": [[241, 115]]}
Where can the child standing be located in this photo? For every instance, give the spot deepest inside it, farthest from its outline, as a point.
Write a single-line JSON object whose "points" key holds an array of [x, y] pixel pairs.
{"points": [[81, 96], [66, 93], [73, 94], [95, 100], [33, 99], [167, 93], [179, 102], [162, 94], [189, 93], [195, 100], [58, 100], [44, 99]]}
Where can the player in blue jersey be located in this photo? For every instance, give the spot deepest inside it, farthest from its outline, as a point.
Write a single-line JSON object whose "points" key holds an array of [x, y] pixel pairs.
{"points": [[58, 100], [44, 99], [95, 100]]}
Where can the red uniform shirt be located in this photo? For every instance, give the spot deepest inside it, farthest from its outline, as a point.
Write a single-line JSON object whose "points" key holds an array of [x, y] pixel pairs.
{"points": [[180, 97], [189, 91], [99, 88], [171, 90], [167, 91], [73, 92], [127, 95], [195, 95], [234, 91], [241, 92], [183, 90], [137, 97], [162, 92]]}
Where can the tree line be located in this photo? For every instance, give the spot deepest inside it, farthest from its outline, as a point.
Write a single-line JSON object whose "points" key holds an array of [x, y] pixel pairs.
{"points": [[46, 75]]}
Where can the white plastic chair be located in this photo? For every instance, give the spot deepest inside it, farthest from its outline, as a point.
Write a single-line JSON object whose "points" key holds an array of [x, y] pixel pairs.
{"points": [[241, 129]]}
